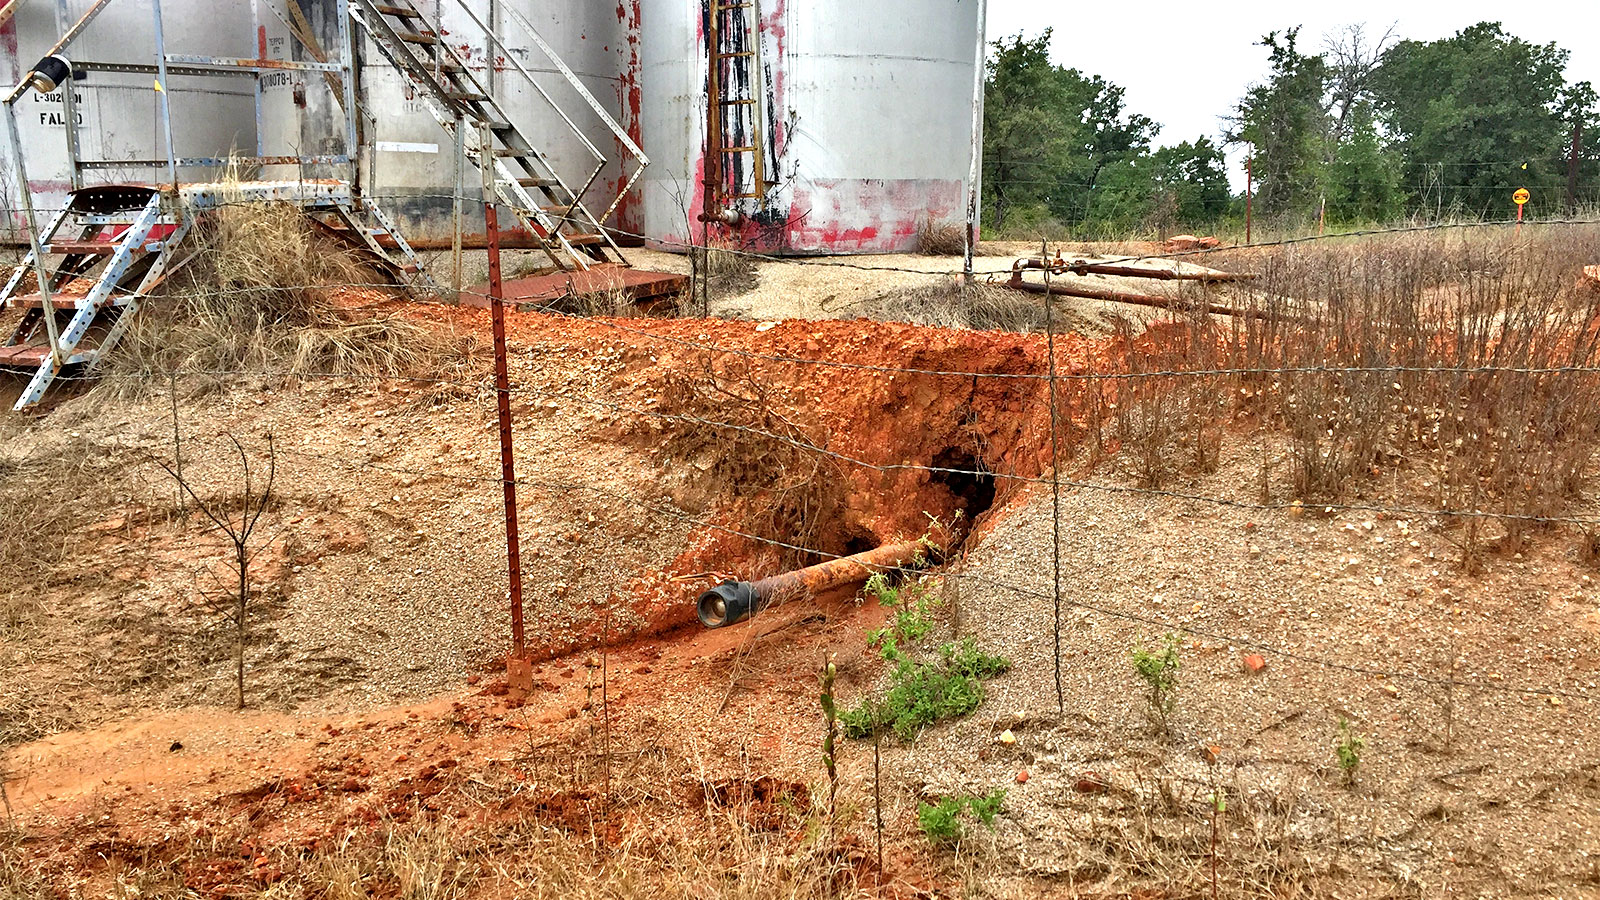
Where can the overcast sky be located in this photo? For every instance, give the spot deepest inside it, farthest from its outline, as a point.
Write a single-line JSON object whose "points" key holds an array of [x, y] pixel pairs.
{"points": [[1185, 64]]}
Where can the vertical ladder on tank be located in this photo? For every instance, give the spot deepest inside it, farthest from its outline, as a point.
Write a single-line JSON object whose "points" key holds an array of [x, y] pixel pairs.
{"points": [[733, 118], [96, 275], [523, 174]]}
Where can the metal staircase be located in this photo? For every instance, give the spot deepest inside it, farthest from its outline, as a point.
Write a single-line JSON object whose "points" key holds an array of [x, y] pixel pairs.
{"points": [[523, 177], [92, 266]]}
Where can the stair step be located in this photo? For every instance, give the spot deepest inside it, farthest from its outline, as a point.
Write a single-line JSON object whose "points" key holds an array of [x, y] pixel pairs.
{"points": [[400, 12], [57, 301], [466, 96], [418, 38], [81, 247], [24, 355], [514, 152], [583, 240], [538, 182], [119, 219]]}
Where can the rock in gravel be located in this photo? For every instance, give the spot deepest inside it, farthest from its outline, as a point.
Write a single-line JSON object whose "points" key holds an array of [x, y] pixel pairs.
{"points": [[1090, 783]]}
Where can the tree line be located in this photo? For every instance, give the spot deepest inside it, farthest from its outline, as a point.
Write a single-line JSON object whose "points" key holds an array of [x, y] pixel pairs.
{"points": [[1369, 129]]}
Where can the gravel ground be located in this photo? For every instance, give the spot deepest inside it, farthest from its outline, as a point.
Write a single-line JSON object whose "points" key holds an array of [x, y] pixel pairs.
{"points": [[1505, 804], [852, 287], [384, 556]]}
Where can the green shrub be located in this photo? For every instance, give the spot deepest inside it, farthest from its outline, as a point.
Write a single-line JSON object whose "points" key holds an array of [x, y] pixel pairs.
{"points": [[1348, 749], [968, 660], [941, 821], [1158, 669], [921, 693], [912, 602]]}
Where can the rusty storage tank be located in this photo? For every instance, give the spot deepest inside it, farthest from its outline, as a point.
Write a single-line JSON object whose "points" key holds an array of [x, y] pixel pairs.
{"points": [[409, 161], [828, 126], [117, 113]]}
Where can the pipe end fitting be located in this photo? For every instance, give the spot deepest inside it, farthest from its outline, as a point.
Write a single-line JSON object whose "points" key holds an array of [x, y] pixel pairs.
{"points": [[727, 603]]}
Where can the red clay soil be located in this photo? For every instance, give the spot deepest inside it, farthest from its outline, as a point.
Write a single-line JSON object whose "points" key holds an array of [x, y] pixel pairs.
{"points": [[883, 428], [228, 804]]}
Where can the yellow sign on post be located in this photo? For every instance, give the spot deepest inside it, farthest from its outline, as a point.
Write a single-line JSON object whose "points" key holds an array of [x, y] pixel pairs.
{"points": [[1520, 197]]}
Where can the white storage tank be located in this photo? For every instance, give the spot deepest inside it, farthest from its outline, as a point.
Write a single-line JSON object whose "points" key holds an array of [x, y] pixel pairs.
{"points": [[118, 113], [409, 163], [861, 114]]}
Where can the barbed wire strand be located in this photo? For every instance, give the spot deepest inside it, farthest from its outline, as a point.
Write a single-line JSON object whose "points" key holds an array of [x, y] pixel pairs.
{"points": [[1241, 642]]}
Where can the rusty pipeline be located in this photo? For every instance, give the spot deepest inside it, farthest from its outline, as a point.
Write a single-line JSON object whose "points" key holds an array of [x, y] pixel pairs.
{"points": [[732, 601], [1059, 266], [1075, 289]]}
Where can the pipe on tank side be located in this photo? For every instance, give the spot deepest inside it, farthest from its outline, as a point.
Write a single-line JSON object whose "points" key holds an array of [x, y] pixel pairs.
{"points": [[732, 601]]}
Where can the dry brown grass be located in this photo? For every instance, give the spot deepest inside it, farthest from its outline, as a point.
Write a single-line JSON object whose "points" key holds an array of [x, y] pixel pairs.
{"points": [[785, 490], [264, 294], [953, 303], [716, 272], [614, 301], [17, 880], [941, 238], [1456, 365], [48, 493], [640, 850], [44, 495]]}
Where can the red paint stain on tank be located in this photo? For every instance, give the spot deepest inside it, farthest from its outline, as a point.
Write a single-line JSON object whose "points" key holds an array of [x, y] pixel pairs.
{"points": [[261, 42], [773, 26], [851, 238], [631, 101]]}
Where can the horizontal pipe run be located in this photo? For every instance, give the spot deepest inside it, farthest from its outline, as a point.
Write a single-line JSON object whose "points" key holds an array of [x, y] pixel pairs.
{"points": [[1059, 266], [1080, 267], [1170, 303], [733, 601]]}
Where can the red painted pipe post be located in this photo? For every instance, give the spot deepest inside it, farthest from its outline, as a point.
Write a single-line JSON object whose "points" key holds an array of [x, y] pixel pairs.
{"points": [[519, 671]]}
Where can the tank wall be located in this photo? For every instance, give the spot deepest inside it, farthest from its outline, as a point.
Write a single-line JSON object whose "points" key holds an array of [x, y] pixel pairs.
{"points": [[672, 82], [118, 115], [870, 124], [300, 114]]}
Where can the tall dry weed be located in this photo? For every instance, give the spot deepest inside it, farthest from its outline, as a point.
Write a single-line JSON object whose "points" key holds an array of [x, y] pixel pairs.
{"points": [[941, 238], [265, 294], [1463, 362]]}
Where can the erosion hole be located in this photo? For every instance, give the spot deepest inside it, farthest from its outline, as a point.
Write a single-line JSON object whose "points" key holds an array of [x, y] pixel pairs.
{"points": [[858, 542], [972, 486]]}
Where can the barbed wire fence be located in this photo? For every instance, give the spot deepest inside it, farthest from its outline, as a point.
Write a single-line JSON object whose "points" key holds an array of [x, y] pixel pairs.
{"points": [[1048, 381]]}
